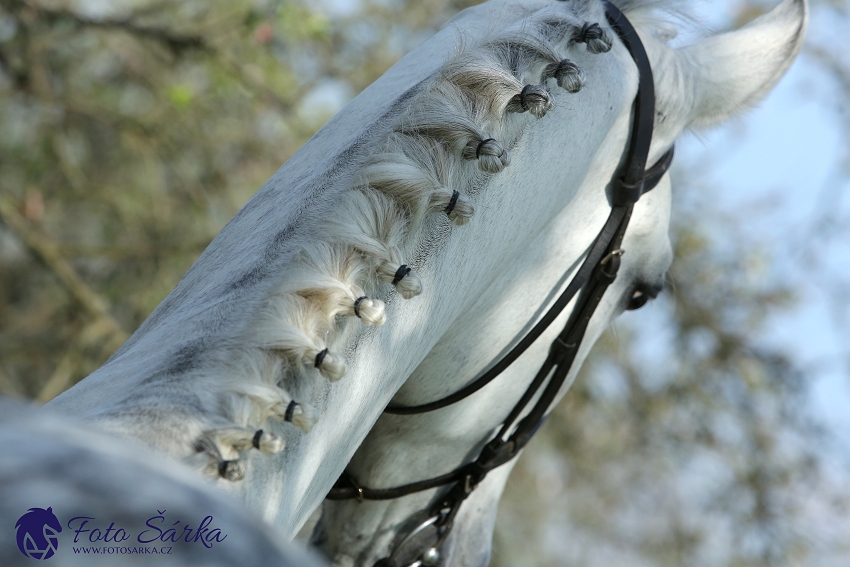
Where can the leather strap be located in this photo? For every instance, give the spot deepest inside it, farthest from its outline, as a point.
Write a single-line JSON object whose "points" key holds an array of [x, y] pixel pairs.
{"points": [[628, 188]]}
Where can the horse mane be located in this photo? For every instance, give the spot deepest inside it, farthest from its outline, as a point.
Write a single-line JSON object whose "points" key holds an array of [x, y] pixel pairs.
{"points": [[447, 136]]}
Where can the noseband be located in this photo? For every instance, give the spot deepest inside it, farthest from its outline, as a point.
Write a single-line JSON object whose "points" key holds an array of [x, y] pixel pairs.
{"points": [[420, 547]]}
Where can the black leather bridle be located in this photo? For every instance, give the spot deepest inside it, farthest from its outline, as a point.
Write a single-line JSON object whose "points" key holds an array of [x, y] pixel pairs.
{"points": [[595, 274]]}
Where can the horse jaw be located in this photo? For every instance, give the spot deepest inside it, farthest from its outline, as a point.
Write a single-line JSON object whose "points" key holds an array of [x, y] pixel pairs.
{"points": [[697, 86]]}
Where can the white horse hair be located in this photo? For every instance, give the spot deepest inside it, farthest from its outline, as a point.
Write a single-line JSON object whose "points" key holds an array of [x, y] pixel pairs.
{"points": [[467, 180]]}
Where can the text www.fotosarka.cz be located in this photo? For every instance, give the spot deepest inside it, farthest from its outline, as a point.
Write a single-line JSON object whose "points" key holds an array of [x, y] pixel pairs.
{"points": [[113, 550]]}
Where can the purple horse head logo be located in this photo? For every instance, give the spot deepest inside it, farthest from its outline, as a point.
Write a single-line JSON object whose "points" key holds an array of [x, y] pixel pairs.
{"points": [[38, 533]]}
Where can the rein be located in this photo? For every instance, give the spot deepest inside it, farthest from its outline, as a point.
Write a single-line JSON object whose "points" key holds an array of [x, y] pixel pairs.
{"points": [[420, 547]]}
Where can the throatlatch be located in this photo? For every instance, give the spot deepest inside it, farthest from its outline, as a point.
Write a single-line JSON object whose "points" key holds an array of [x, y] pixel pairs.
{"points": [[596, 273]]}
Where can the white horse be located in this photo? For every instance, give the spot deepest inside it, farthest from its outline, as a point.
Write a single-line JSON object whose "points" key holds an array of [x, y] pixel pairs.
{"points": [[403, 249]]}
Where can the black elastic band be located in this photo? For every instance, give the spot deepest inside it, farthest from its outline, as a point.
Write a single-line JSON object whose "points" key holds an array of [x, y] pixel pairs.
{"points": [[565, 65], [590, 31], [402, 271], [522, 97], [481, 145], [357, 303], [452, 202], [290, 409], [256, 440], [320, 358]]}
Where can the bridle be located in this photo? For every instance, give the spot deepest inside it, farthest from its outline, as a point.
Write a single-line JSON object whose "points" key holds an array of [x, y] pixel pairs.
{"points": [[596, 273]]}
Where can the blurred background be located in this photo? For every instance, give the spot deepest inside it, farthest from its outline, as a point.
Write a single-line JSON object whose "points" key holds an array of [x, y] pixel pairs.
{"points": [[711, 428]]}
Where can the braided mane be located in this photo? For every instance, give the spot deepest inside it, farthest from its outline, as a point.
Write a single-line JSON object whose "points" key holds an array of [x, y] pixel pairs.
{"points": [[455, 133], [448, 136]]}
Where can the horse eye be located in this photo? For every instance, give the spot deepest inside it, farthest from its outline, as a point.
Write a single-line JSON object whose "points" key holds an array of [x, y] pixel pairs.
{"points": [[641, 294], [637, 300]]}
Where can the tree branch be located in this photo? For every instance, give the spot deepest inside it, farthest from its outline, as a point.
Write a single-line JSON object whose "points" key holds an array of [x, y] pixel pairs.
{"points": [[175, 42], [49, 253]]}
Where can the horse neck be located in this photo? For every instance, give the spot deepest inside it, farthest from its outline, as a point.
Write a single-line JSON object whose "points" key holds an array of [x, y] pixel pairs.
{"points": [[164, 385], [480, 286]]}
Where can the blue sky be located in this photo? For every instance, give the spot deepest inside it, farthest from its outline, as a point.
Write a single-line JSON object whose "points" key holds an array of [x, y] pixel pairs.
{"points": [[781, 171]]}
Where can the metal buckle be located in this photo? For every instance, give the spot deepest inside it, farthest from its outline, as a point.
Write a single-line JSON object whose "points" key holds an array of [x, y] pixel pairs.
{"points": [[611, 255], [468, 487], [430, 557], [357, 487]]}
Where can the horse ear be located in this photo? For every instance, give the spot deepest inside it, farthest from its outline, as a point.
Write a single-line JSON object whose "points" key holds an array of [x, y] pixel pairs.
{"points": [[730, 72]]}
